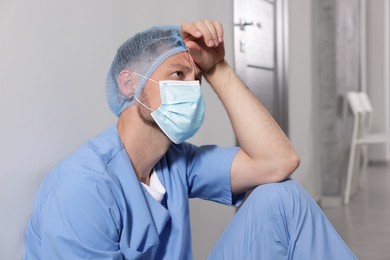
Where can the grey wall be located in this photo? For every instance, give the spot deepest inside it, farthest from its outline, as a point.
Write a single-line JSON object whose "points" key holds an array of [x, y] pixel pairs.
{"points": [[337, 69], [303, 110], [378, 71], [53, 60]]}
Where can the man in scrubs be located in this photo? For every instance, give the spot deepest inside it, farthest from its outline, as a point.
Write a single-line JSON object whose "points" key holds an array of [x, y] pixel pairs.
{"points": [[124, 194]]}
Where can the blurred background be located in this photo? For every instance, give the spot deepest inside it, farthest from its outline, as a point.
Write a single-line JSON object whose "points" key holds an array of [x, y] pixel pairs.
{"points": [[300, 58]]}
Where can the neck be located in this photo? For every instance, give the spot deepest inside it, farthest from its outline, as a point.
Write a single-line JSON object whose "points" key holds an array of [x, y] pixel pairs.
{"points": [[145, 145]]}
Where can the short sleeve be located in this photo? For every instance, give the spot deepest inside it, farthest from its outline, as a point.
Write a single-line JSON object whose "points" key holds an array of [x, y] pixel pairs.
{"points": [[208, 173], [79, 219]]}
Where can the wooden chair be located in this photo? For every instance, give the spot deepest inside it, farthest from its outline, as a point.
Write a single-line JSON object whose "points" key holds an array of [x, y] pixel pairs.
{"points": [[361, 136]]}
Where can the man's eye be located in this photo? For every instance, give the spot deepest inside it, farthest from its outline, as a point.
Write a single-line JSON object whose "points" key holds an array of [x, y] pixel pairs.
{"points": [[178, 74]]}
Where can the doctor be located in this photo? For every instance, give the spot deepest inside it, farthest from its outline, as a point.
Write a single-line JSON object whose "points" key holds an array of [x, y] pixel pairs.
{"points": [[124, 194]]}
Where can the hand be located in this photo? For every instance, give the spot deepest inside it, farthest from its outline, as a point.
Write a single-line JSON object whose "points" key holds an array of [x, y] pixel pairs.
{"points": [[204, 40]]}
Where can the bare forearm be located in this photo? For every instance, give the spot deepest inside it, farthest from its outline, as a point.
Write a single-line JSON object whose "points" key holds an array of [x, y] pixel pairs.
{"points": [[258, 134], [266, 154]]}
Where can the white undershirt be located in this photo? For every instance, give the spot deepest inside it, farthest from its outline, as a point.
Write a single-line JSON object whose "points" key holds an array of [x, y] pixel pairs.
{"points": [[155, 188]]}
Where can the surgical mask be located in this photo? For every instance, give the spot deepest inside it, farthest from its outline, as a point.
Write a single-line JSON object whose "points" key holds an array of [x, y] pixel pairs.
{"points": [[182, 109]]}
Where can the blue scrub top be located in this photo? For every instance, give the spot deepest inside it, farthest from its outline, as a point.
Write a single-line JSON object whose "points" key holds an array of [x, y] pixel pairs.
{"points": [[92, 206]]}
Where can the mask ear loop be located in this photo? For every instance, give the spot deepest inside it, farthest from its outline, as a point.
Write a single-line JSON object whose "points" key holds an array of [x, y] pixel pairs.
{"points": [[143, 104], [142, 76], [139, 101]]}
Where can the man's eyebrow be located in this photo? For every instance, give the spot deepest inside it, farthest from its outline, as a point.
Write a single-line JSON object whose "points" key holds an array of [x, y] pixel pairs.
{"points": [[180, 66]]}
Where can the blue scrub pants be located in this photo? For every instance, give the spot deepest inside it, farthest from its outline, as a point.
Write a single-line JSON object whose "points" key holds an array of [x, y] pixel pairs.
{"points": [[280, 221]]}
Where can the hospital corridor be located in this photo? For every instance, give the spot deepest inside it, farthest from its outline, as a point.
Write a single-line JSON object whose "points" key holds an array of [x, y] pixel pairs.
{"points": [[364, 224]]}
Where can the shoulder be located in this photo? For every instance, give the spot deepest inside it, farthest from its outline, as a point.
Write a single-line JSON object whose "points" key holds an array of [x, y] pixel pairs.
{"points": [[193, 153], [93, 155], [186, 148], [191, 149], [85, 166]]}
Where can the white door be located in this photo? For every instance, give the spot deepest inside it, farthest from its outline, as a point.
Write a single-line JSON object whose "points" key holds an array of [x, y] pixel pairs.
{"points": [[260, 52]]}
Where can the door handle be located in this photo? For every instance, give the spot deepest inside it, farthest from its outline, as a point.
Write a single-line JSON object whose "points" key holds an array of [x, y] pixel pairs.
{"points": [[243, 23]]}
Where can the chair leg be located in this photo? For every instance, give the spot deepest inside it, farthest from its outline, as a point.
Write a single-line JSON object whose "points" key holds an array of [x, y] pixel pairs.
{"points": [[364, 165], [348, 185]]}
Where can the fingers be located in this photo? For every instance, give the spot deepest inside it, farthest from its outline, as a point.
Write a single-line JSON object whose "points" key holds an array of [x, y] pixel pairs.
{"points": [[189, 29], [211, 31], [219, 28]]}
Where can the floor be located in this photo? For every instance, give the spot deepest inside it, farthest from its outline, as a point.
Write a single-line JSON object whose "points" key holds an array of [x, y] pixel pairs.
{"points": [[364, 224]]}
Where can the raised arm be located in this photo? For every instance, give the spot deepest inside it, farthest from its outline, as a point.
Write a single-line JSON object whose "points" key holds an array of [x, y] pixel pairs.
{"points": [[266, 154]]}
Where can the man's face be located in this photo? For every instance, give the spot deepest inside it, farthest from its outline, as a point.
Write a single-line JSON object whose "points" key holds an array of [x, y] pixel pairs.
{"points": [[178, 67]]}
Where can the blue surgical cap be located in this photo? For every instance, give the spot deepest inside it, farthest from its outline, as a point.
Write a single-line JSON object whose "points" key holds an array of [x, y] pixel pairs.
{"points": [[143, 53]]}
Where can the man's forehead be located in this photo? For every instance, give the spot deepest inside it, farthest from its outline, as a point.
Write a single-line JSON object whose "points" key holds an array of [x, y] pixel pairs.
{"points": [[183, 62], [179, 65]]}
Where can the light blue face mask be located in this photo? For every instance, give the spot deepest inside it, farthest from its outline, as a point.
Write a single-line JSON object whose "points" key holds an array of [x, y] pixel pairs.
{"points": [[182, 109]]}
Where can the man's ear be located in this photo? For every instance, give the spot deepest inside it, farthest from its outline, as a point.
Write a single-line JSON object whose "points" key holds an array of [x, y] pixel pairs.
{"points": [[126, 83]]}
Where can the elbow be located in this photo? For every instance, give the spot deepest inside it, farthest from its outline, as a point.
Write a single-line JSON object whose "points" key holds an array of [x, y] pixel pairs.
{"points": [[286, 166], [293, 163]]}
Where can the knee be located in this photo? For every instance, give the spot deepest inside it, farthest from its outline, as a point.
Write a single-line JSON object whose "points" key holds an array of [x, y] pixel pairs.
{"points": [[274, 197], [272, 191]]}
